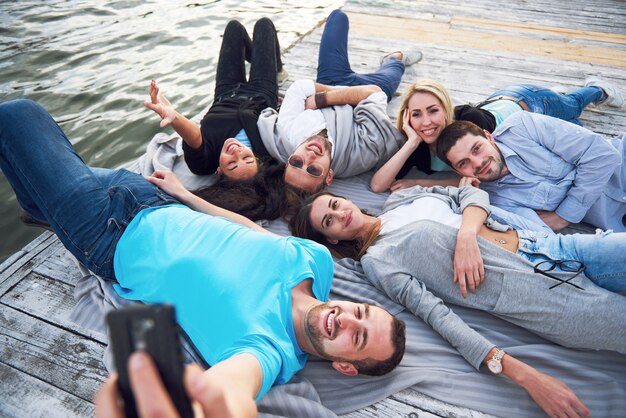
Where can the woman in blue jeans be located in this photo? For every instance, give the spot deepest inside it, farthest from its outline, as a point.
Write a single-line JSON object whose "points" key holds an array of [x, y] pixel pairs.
{"points": [[426, 109], [333, 65]]}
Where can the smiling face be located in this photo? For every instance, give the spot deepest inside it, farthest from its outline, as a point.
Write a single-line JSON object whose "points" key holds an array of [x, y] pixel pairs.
{"points": [[427, 116], [237, 162], [338, 219], [308, 168], [477, 156], [347, 331]]}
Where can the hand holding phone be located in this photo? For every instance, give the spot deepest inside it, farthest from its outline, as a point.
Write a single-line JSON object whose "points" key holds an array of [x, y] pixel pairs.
{"points": [[152, 329]]}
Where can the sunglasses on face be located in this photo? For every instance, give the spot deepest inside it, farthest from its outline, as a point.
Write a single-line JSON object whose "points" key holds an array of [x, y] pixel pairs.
{"points": [[314, 170]]}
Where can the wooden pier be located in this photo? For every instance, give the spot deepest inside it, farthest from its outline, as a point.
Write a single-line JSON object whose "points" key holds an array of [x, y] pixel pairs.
{"points": [[50, 367]]}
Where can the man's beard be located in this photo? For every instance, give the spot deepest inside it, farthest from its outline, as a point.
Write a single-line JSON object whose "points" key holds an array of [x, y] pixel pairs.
{"points": [[313, 332], [496, 169]]}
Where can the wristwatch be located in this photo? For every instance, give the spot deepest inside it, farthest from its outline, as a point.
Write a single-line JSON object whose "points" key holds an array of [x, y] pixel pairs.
{"points": [[495, 362]]}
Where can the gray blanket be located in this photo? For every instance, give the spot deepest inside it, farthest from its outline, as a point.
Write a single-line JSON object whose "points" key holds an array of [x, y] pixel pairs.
{"points": [[430, 366]]}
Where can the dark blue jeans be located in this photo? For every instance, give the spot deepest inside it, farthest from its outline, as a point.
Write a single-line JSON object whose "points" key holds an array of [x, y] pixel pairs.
{"points": [[541, 100], [87, 208], [263, 53], [333, 66]]}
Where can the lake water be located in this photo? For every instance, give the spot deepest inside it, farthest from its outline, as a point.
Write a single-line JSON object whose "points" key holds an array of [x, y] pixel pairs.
{"points": [[90, 63]]}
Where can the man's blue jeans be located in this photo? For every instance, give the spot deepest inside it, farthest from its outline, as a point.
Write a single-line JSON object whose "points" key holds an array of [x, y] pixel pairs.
{"points": [[548, 102], [604, 254], [87, 209], [333, 66]]}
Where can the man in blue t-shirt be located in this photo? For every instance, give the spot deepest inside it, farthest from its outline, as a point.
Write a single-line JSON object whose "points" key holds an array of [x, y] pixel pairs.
{"points": [[255, 304]]}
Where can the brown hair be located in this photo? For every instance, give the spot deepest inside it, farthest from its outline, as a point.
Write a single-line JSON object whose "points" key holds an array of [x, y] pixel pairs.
{"points": [[452, 133], [260, 197], [378, 368], [301, 226], [426, 86]]}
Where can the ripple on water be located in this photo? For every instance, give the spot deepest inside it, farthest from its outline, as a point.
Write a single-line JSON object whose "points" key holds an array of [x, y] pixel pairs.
{"points": [[90, 64]]}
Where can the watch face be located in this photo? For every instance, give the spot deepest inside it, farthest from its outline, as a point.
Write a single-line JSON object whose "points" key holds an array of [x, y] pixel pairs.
{"points": [[494, 366]]}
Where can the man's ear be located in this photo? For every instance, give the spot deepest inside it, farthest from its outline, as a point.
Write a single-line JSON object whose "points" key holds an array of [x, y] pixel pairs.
{"points": [[218, 171], [345, 368], [329, 176], [489, 136]]}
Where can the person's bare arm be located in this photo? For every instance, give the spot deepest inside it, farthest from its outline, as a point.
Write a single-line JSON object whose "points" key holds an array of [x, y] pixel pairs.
{"points": [[340, 96], [386, 175], [553, 396], [468, 263], [170, 184], [188, 130], [226, 390]]}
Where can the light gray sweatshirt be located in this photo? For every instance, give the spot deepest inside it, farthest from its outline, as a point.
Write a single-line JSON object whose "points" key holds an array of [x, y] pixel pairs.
{"points": [[410, 263]]}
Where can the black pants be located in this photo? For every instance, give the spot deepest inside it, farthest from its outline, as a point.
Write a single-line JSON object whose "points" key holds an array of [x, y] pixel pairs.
{"points": [[263, 53]]}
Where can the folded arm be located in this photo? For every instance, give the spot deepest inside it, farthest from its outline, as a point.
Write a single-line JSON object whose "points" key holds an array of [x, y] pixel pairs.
{"points": [[386, 175], [340, 96]]}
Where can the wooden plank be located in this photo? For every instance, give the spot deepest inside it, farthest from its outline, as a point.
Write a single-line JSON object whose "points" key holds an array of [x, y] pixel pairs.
{"points": [[49, 300], [59, 265], [26, 396], [390, 408], [499, 25], [52, 355], [599, 16], [32, 254], [442, 33]]}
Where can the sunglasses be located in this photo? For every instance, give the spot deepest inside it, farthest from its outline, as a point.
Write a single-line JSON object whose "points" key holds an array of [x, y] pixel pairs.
{"points": [[314, 170]]}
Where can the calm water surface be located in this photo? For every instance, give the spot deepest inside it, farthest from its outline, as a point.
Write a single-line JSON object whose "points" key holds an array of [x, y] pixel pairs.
{"points": [[90, 63]]}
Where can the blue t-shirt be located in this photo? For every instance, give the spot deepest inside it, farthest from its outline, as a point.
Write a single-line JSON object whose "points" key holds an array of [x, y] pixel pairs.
{"points": [[242, 137], [502, 109], [231, 285]]}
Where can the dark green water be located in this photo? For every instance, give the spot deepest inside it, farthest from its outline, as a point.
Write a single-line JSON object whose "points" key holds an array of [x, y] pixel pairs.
{"points": [[90, 64]]}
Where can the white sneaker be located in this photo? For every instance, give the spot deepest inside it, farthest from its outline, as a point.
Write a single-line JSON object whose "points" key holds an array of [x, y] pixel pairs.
{"points": [[612, 96], [281, 76], [408, 57]]}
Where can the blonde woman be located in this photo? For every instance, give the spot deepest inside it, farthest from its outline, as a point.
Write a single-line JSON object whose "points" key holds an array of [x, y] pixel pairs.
{"points": [[426, 109]]}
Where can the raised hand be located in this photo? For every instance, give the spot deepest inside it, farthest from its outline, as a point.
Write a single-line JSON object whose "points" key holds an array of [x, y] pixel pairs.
{"points": [[160, 105]]}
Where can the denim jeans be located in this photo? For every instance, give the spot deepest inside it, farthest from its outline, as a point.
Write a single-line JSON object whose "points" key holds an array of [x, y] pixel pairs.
{"points": [[333, 66], [263, 53], [604, 254], [567, 106], [87, 209]]}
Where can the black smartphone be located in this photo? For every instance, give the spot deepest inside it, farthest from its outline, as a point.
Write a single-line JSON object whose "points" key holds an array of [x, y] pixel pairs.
{"points": [[152, 329]]}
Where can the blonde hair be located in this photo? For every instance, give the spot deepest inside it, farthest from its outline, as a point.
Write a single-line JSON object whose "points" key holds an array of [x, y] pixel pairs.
{"points": [[426, 86]]}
